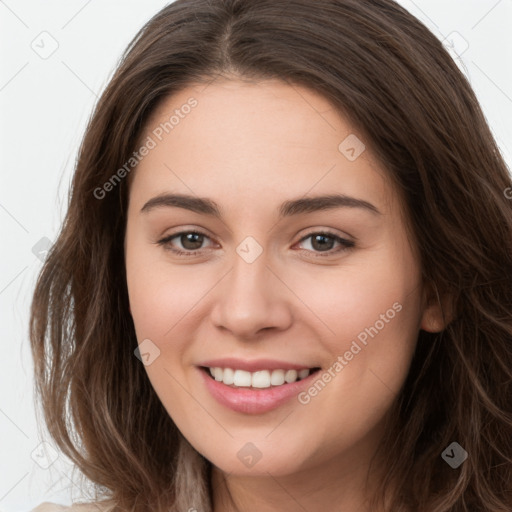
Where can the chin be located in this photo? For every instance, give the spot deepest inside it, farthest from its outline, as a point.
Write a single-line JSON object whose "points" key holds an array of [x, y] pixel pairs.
{"points": [[256, 459]]}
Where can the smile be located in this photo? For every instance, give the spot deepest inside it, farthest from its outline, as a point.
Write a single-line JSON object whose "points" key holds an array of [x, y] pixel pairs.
{"points": [[258, 391], [237, 378]]}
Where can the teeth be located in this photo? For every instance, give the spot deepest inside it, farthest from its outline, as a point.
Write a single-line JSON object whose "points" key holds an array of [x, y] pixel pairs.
{"points": [[228, 376], [259, 379], [241, 378], [290, 376], [303, 373], [277, 378]]}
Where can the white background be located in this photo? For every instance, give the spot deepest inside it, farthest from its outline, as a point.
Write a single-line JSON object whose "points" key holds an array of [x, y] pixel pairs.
{"points": [[45, 104]]}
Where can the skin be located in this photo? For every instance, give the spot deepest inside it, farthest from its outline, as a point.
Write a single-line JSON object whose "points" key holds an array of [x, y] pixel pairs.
{"points": [[249, 147]]}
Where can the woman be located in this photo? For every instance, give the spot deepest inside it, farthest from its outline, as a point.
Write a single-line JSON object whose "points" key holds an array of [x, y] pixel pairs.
{"points": [[283, 281]]}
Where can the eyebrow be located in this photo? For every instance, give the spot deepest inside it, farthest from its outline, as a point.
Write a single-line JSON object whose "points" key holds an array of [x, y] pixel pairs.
{"points": [[289, 208]]}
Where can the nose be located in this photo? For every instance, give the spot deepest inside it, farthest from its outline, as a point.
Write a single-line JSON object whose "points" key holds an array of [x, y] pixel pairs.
{"points": [[252, 298]]}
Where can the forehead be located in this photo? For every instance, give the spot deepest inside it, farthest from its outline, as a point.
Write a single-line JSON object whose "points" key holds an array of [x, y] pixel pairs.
{"points": [[260, 138]]}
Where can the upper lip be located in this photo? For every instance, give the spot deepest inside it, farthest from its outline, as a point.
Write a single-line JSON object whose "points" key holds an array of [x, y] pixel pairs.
{"points": [[253, 365]]}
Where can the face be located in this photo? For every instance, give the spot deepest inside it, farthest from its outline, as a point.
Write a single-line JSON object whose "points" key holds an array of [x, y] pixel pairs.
{"points": [[257, 274]]}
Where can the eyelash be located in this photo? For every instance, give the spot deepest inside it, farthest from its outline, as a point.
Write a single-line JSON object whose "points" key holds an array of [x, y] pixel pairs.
{"points": [[346, 244]]}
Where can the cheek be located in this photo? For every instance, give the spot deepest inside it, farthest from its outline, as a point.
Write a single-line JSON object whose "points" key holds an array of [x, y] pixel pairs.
{"points": [[154, 304], [162, 295], [349, 300], [373, 321], [162, 301]]}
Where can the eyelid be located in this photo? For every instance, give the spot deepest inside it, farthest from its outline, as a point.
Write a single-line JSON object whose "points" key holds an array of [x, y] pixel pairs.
{"points": [[328, 231]]}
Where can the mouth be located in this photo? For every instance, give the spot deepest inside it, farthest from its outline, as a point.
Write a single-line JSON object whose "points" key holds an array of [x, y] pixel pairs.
{"points": [[259, 391], [261, 379]]}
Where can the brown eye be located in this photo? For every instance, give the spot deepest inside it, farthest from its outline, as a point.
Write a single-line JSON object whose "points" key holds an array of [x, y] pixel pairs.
{"points": [[190, 241], [323, 242]]}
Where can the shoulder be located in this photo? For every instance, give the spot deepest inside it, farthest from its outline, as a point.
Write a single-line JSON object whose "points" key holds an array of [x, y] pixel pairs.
{"points": [[98, 506]]}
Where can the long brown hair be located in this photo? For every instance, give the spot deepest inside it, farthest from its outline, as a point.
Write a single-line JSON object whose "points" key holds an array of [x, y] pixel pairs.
{"points": [[392, 78]]}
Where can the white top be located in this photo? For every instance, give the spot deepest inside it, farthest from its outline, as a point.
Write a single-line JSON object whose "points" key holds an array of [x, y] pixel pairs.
{"points": [[99, 506]]}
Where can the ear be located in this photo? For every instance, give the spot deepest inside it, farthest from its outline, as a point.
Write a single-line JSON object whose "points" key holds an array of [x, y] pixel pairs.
{"points": [[437, 311]]}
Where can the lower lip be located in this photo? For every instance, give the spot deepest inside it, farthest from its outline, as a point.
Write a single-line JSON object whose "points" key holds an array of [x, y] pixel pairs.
{"points": [[251, 400]]}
